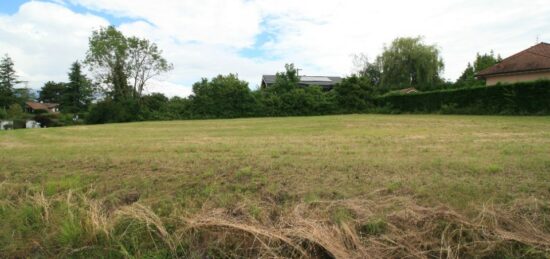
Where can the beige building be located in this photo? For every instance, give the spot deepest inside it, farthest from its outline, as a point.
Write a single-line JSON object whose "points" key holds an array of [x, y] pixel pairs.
{"points": [[529, 65]]}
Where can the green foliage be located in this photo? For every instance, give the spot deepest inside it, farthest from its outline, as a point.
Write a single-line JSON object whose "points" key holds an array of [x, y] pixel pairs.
{"points": [[177, 108], [154, 101], [354, 93], [110, 111], [222, 97], [3, 114], [52, 92], [374, 227], [124, 64], [341, 215], [285, 81], [70, 233], [8, 79], [79, 91], [467, 79], [521, 98], [287, 98], [15, 111], [370, 72], [48, 119], [408, 62]]}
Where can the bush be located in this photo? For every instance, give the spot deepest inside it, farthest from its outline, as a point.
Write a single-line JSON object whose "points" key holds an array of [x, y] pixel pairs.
{"points": [[109, 112], [3, 114], [19, 124], [353, 94], [48, 120], [522, 99], [15, 112]]}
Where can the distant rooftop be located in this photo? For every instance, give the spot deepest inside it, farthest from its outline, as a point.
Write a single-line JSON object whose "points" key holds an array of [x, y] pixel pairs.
{"points": [[326, 82], [533, 59], [315, 79]]}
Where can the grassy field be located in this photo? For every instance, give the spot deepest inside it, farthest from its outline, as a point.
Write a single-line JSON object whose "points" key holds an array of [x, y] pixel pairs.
{"points": [[333, 186]]}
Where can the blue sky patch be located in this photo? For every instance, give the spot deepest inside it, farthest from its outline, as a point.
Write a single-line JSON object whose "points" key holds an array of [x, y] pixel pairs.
{"points": [[11, 7]]}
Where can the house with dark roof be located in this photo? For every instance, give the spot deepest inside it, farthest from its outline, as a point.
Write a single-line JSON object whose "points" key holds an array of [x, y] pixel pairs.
{"points": [[34, 107], [529, 65], [325, 82]]}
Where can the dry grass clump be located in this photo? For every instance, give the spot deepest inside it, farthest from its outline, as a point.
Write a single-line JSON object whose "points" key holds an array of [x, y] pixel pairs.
{"points": [[410, 231], [380, 226]]}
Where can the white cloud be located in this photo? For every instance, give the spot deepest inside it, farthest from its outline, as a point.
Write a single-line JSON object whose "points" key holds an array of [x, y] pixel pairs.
{"points": [[205, 38], [231, 23], [167, 88], [44, 39], [325, 33]]}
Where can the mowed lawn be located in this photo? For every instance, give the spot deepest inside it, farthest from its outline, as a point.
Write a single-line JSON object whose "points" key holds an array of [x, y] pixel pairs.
{"points": [[463, 163]]}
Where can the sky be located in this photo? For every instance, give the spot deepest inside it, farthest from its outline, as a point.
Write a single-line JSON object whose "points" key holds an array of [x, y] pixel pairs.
{"points": [[255, 37]]}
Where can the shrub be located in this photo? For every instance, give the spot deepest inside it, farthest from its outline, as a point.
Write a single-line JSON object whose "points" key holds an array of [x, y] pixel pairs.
{"points": [[19, 124], [521, 98], [109, 111], [353, 94], [15, 112], [48, 120], [3, 114]]}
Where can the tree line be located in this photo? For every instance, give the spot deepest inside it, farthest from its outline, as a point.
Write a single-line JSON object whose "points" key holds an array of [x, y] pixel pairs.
{"points": [[121, 67]]}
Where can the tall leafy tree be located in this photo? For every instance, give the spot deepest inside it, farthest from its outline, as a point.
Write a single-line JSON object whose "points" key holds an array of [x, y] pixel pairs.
{"points": [[368, 72], [124, 64], [285, 81], [353, 94], [222, 97], [79, 91], [468, 79], [409, 62], [8, 80], [106, 57], [22, 95], [52, 92], [145, 62]]}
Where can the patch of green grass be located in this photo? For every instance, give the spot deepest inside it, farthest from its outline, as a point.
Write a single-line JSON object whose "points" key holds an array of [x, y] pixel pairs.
{"points": [[263, 165], [341, 215], [374, 227]]}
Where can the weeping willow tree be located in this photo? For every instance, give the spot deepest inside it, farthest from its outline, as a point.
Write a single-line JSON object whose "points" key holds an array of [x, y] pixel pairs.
{"points": [[408, 62]]}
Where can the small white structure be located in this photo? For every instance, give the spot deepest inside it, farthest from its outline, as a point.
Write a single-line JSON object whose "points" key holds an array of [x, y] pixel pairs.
{"points": [[30, 124], [6, 125]]}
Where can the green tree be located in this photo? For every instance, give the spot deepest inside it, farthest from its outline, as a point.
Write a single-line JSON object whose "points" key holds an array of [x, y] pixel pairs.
{"points": [[145, 62], [15, 111], [222, 97], [8, 80], [408, 62], [353, 93], [79, 91], [368, 72], [468, 77], [22, 95], [155, 101], [285, 81], [52, 92], [124, 65], [3, 114], [106, 56]]}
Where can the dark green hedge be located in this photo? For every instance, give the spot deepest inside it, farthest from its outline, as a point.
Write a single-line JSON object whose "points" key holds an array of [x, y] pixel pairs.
{"points": [[522, 98]]}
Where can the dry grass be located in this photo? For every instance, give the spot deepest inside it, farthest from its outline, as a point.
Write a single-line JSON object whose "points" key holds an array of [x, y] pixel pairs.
{"points": [[320, 187]]}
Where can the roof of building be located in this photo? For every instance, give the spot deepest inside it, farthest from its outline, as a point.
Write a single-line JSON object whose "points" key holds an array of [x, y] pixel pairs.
{"points": [[308, 80], [532, 59], [41, 106]]}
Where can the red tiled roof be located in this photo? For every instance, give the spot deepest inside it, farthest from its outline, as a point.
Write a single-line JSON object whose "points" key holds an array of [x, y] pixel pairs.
{"points": [[41, 106], [535, 58]]}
